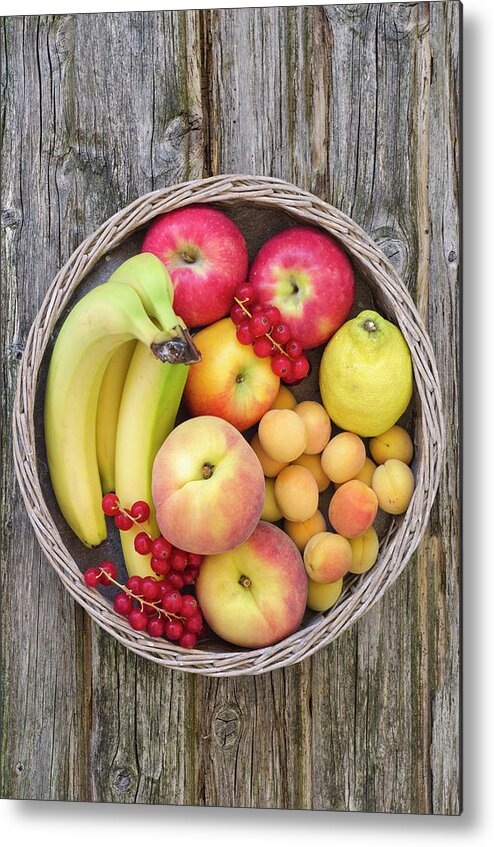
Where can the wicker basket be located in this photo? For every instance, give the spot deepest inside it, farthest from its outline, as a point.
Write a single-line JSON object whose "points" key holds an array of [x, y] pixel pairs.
{"points": [[256, 195]]}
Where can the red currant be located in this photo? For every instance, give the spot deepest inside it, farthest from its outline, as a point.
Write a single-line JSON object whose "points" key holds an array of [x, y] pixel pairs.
{"points": [[156, 626], [165, 585], [243, 332], [110, 504], [109, 572], [194, 622], [273, 314], [263, 347], [189, 606], [150, 589], [195, 559], [134, 584], [294, 348], [281, 366], [122, 603], [194, 573], [92, 576], [138, 619], [173, 630], [301, 367], [161, 548], [140, 511], [176, 580], [172, 602], [187, 576], [178, 560], [237, 314], [245, 293], [143, 543], [259, 324], [257, 307], [123, 521], [280, 333], [160, 566], [188, 640]]}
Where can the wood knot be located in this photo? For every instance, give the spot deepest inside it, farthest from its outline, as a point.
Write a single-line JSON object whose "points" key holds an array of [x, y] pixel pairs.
{"points": [[227, 725], [122, 780], [393, 246]]}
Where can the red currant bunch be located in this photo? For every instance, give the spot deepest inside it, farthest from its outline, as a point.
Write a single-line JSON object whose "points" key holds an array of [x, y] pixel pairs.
{"points": [[263, 327], [125, 519], [151, 605]]}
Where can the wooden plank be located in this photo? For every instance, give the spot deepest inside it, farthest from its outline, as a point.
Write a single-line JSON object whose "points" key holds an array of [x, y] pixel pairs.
{"points": [[358, 103]]}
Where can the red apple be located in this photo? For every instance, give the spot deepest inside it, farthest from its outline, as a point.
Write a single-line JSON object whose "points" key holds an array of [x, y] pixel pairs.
{"points": [[308, 276], [255, 595], [206, 256], [230, 381], [207, 486]]}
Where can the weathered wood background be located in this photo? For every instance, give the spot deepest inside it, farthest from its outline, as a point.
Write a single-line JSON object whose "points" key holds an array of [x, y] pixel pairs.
{"points": [[358, 103]]}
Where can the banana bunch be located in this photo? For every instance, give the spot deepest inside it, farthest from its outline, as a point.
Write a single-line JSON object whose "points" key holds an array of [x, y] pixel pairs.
{"points": [[115, 381]]}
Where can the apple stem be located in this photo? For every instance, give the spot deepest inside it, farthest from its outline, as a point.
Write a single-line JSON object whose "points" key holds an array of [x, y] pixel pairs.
{"points": [[187, 257], [370, 326], [245, 581]]}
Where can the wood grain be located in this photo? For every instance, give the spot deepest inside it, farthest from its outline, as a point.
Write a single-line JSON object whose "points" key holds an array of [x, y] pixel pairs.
{"points": [[359, 104]]}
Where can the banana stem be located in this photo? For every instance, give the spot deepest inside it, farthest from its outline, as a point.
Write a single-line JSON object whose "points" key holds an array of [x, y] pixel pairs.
{"points": [[177, 350]]}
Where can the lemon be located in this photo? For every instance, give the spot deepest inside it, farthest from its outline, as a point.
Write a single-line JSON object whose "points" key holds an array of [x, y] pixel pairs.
{"points": [[365, 376]]}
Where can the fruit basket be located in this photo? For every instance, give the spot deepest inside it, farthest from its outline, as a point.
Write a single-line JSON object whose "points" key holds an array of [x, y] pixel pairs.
{"points": [[261, 206]]}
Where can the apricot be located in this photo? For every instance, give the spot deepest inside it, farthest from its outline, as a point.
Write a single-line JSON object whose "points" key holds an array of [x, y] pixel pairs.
{"points": [[271, 510], [365, 474], [301, 531], [327, 557], [318, 425], [395, 443], [394, 483], [353, 508], [365, 549], [284, 399], [283, 434], [270, 466], [322, 595], [312, 462], [343, 457], [296, 493]]}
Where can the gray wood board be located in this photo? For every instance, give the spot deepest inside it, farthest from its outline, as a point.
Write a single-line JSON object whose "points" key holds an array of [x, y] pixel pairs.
{"points": [[359, 104]]}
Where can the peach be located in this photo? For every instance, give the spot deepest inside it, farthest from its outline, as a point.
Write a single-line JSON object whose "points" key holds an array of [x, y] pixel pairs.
{"points": [[365, 549], [322, 595], [343, 457], [207, 486], [270, 466], [352, 508], [312, 462], [283, 434], [327, 557], [284, 399], [393, 483], [395, 443], [301, 531], [318, 425], [256, 594], [296, 493], [270, 510]]}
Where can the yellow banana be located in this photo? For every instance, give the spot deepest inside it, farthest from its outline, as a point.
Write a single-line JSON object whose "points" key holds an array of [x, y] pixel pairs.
{"points": [[107, 413], [107, 317], [148, 276], [149, 405]]}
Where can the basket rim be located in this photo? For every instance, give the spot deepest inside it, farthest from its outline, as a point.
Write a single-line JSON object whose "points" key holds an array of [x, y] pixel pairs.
{"points": [[404, 534]]}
